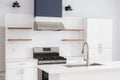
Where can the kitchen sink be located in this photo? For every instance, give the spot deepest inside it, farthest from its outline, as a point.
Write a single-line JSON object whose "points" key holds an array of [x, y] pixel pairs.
{"points": [[82, 65]]}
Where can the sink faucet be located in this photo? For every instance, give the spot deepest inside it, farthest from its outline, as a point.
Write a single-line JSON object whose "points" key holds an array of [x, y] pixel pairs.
{"points": [[86, 56]]}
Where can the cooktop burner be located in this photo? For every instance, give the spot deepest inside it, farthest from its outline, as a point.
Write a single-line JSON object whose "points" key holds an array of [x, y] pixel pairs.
{"points": [[50, 58], [48, 55]]}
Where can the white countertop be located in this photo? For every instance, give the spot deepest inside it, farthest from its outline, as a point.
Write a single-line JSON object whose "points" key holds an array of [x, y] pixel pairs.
{"points": [[60, 68], [20, 59]]}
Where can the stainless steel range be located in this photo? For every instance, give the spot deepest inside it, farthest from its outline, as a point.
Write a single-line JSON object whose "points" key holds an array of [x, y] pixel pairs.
{"points": [[48, 55]]}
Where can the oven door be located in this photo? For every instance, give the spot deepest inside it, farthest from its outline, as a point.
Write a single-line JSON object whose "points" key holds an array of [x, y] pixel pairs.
{"points": [[42, 75]]}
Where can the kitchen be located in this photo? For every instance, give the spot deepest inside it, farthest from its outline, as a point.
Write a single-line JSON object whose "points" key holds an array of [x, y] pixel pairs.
{"points": [[24, 49]]}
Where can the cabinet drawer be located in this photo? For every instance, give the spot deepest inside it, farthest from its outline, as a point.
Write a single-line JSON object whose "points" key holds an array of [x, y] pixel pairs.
{"points": [[21, 64]]}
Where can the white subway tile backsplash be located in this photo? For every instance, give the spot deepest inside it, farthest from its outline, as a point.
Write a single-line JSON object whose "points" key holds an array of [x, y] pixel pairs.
{"points": [[23, 49]]}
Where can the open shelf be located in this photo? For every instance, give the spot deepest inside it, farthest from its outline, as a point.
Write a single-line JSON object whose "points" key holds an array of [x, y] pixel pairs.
{"points": [[19, 39], [73, 40], [73, 30], [26, 28]]}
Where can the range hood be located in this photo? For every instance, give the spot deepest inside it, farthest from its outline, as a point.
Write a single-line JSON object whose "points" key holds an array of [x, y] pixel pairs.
{"points": [[49, 26]]}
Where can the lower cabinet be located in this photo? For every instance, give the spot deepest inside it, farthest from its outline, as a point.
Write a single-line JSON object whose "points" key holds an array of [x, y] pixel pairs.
{"points": [[14, 74], [22, 74], [21, 70], [100, 56], [29, 74]]}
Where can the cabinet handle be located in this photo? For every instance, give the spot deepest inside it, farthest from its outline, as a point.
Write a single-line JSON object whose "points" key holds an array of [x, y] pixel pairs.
{"points": [[99, 48], [21, 71]]}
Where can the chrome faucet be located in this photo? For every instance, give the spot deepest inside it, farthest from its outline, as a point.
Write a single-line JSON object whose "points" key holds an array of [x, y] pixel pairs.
{"points": [[86, 56]]}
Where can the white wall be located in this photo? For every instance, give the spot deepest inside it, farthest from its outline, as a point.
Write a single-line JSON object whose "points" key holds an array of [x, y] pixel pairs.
{"points": [[82, 8], [5, 8], [91, 8]]}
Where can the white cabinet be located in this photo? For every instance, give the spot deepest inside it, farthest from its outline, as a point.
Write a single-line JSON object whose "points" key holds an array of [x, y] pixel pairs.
{"points": [[94, 55], [106, 55], [22, 74], [13, 74], [99, 38], [30, 74], [21, 71]]}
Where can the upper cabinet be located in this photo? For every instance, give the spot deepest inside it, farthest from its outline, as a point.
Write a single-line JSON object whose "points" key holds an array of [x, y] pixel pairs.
{"points": [[48, 8], [99, 38]]}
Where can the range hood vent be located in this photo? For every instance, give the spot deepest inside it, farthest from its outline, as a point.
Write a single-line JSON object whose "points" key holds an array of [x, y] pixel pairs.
{"points": [[49, 26]]}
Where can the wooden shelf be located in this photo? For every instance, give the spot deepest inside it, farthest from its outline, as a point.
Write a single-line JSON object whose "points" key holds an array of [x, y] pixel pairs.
{"points": [[26, 28], [73, 30], [73, 40], [19, 39]]}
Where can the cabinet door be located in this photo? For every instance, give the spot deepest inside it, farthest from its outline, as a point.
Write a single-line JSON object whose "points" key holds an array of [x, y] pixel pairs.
{"points": [[92, 33], [100, 56], [99, 31], [106, 55], [99, 38], [30, 74], [94, 55], [13, 74], [105, 32]]}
